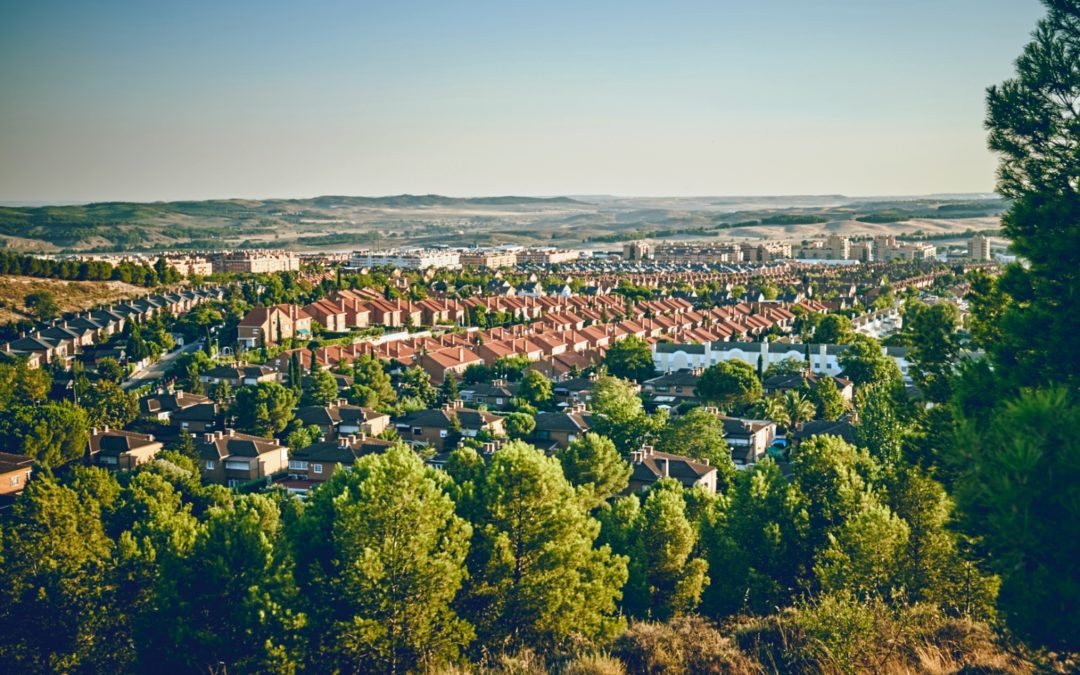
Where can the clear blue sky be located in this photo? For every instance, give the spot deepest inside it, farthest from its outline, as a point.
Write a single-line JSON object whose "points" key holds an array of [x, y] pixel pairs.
{"points": [[191, 99]]}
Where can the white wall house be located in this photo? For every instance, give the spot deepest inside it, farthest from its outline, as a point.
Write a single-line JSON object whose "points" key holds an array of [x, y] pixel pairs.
{"points": [[823, 358]]}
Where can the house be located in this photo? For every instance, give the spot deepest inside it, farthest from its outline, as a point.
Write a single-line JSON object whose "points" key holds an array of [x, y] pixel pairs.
{"points": [[121, 450], [163, 404], [342, 419], [748, 439], [806, 379], [198, 418], [497, 394], [231, 458], [649, 466], [560, 429], [841, 427], [437, 427], [317, 462], [264, 326], [239, 375], [675, 387], [330, 315], [452, 360], [15, 472]]}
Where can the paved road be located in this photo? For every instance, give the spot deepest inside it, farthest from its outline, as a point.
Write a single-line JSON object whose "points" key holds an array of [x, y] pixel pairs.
{"points": [[156, 371]]}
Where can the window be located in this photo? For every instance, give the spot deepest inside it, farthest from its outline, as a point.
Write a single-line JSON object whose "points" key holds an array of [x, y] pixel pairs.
{"points": [[317, 468], [443, 433], [233, 482], [417, 431], [210, 465], [298, 465], [15, 480]]}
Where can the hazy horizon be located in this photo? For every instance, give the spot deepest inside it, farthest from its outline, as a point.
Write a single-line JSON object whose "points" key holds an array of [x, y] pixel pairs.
{"points": [[131, 101]]}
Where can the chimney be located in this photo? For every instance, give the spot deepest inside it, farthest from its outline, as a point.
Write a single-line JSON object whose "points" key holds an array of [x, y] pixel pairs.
{"points": [[636, 457], [93, 431], [150, 437], [209, 438]]}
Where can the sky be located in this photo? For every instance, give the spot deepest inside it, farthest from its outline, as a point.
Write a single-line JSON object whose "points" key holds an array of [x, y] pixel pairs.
{"points": [[156, 100]]}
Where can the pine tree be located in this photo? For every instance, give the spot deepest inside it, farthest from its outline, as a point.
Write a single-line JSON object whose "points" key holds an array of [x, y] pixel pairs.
{"points": [[536, 577], [592, 464], [380, 558]]}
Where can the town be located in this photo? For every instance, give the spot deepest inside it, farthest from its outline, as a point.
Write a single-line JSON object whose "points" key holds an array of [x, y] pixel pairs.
{"points": [[287, 368], [540, 339]]}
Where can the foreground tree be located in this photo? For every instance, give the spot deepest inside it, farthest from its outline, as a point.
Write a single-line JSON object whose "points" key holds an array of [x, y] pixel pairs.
{"points": [[592, 464], [536, 577], [665, 580], [1016, 490], [1033, 127], [320, 388], [380, 558], [699, 434]]}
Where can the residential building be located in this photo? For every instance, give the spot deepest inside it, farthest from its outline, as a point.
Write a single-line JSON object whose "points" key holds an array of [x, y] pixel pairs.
{"points": [[317, 462], [437, 427], [15, 473], [232, 458], [560, 429], [121, 450], [265, 326], [650, 466], [407, 259], [979, 248], [342, 419]]}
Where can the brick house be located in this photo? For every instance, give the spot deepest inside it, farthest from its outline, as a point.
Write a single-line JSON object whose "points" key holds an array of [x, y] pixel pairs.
{"points": [[121, 450], [232, 458]]}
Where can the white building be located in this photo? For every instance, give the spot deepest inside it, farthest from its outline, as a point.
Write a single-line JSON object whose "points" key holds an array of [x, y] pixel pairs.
{"points": [[669, 356], [409, 259]]}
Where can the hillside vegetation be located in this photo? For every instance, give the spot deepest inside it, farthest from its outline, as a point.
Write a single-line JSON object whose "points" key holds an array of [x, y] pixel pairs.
{"points": [[71, 296]]}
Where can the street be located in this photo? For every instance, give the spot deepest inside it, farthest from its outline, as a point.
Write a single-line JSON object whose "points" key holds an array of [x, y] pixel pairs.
{"points": [[157, 370]]}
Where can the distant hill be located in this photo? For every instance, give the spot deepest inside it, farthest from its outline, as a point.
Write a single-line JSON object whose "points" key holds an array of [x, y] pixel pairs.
{"points": [[341, 221]]}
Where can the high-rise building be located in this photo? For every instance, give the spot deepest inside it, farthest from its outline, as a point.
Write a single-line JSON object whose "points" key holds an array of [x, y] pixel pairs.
{"points": [[636, 250], [979, 248]]}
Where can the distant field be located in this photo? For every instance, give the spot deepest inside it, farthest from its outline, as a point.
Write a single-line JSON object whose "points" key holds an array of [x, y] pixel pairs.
{"points": [[344, 223], [70, 295]]}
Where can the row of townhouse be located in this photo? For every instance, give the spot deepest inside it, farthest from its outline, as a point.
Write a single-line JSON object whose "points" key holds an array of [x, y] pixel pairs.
{"points": [[557, 343], [61, 340], [346, 310]]}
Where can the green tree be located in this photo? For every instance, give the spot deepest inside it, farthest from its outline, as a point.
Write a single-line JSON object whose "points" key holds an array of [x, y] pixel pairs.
{"points": [[699, 435], [1016, 491], [54, 556], [380, 558], [827, 399], [865, 554], [758, 547], [619, 415], [864, 363], [878, 428], [631, 359], [986, 309], [238, 554], [448, 391], [52, 434], [520, 425], [109, 369], [368, 373], [536, 389], [21, 384], [536, 577], [834, 329], [665, 578], [320, 388], [416, 384], [1032, 124], [264, 408], [42, 304], [934, 346], [107, 404], [728, 384], [593, 465]]}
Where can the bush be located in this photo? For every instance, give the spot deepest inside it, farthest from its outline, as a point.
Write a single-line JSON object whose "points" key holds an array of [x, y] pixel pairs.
{"points": [[593, 664], [689, 644], [841, 634]]}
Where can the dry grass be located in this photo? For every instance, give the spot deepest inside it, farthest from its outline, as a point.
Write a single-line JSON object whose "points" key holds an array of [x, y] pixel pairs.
{"points": [[70, 295]]}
